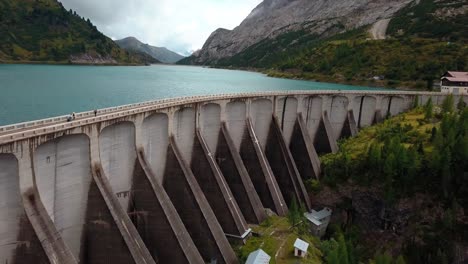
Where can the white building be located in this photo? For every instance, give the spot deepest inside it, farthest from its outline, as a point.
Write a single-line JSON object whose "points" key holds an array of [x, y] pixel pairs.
{"points": [[319, 221], [300, 248], [454, 82], [258, 257]]}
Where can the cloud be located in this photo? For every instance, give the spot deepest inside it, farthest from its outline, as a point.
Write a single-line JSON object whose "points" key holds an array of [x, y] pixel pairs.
{"points": [[180, 25]]}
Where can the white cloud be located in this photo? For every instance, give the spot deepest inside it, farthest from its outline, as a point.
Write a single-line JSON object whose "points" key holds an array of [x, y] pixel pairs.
{"points": [[180, 25]]}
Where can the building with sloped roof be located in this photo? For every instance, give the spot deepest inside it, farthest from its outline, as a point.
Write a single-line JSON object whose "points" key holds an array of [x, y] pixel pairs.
{"points": [[455, 83], [319, 221], [300, 248], [258, 257]]}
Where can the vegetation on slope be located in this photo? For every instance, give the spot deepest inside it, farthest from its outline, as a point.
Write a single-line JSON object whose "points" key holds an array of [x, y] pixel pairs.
{"points": [[425, 40], [398, 190], [42, 30], [416, 165]]}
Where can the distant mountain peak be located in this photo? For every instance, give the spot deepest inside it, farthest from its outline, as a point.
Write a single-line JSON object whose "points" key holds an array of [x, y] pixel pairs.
{"points": [[160, 53], [272, 18]]}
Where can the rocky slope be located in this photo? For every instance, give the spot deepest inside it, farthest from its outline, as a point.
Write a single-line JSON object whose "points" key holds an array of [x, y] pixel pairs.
{"points": [[272, 18], [160, 53]]}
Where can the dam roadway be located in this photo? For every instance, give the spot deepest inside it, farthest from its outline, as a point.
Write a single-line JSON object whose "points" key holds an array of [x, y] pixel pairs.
{"points": [[173, 180]]}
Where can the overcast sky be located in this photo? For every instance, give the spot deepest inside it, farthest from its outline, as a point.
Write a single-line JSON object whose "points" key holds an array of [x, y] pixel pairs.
{"points": [[180, 25]]}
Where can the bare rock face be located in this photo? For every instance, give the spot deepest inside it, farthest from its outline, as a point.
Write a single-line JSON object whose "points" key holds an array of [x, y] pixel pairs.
{"points": [[94, 59], [274, 17]]}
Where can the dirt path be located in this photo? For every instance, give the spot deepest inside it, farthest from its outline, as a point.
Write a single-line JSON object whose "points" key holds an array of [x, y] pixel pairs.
{"points": [[379, 29]]}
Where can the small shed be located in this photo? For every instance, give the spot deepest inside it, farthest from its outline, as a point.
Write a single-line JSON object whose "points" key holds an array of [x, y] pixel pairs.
{"points": [[300, 248], [319, 221], [258, 257]]}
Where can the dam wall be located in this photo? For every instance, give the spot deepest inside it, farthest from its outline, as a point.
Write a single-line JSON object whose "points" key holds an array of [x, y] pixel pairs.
{"points": [[174, 180]]}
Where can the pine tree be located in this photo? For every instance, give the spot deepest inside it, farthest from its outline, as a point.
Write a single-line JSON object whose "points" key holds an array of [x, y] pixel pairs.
{"points": [[461, 104], [447, 104], [428, 109]]}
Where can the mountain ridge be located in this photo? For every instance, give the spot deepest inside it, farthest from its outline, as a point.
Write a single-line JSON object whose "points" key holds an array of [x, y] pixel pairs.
{"points": [[44, 31], [160, 53], [272, 18]]}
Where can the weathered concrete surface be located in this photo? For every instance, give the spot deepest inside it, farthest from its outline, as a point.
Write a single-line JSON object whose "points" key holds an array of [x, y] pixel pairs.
{"points": [[338, 113], [118, 156], [155, 139], [349, 128], [327, 136], [364, 109], [157, 221], [313, 115], [18, 241], [303, 151], [139, 253], [184, 131], [237, 177], [63, 177], [194, 210], [284, 168], [216, 189], [286, 112], [261, 174], [61, 206]]}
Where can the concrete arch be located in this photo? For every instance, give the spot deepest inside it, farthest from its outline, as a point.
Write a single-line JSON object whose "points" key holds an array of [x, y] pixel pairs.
{"points": [[286, 111], [338, 113], [236, 113], [184, 131], [11, 208], [155, 140], [312, 114], [118, 155], [210, 124], [63, 176], [392, 105], [261, 111], [364, 110]]}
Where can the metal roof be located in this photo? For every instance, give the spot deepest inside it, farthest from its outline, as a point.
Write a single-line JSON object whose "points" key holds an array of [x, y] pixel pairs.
{"points": [[457, 79], [324, 213], [258, 257], [458, 74], [301, 245], [312, 219]]}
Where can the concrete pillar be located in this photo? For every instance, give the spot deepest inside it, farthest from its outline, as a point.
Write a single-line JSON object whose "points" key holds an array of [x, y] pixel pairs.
{"points": [[19, 242], [216, 189], [284, 168], [236, 175], [155, 215], [303, 151], [135, 246], [194, 210], [52, 243], [328, 135], [261, 174]]}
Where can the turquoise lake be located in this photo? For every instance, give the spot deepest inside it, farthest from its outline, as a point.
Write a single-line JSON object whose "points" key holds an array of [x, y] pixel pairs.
{"points": [[29, 92]]}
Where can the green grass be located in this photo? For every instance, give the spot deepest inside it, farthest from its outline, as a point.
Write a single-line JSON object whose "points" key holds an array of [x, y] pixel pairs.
{"points": [[276, 238]]}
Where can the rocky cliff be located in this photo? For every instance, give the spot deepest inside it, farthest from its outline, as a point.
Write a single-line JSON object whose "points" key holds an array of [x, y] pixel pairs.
{"points": [[272, 18]]}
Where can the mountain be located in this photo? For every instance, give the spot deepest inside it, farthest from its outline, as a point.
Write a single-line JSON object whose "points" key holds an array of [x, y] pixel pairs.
{"points": [[44, 31], [160, 53], [272, 18], [331, 41]]}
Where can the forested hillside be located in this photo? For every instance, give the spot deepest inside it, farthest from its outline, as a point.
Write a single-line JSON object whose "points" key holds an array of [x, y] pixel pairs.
{"points": [[43, 31], [424, 39], [401, 187]]}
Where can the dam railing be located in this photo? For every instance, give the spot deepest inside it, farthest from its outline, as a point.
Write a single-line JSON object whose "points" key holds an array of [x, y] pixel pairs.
{"points": [[23, 130]]}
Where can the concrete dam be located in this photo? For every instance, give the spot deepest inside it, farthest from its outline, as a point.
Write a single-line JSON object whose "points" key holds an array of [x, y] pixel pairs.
{"points": [[170, 181]]}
